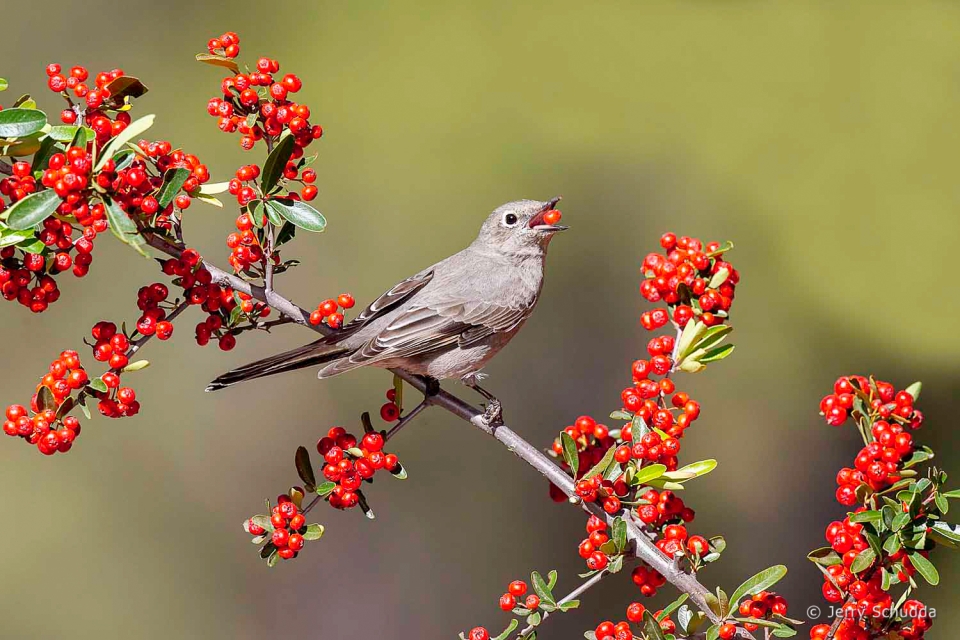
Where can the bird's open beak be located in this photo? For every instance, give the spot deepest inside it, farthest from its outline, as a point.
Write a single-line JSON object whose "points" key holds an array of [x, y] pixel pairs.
{"points": [[537, 223]]}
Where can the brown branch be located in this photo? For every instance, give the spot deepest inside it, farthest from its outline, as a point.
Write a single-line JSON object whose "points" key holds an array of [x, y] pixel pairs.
{"points": [[644, 548], [6, 168]]}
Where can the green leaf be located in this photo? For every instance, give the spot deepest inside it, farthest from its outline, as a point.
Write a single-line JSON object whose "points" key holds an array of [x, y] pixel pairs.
{"points": [[123, 227], [398, 393], [546, 595], [673, 606], [600, 468], [692, 470], [123, 158], [925, 568], [97, 384], [305, 469], [691, 332], [202, 197], [712, 337], [313, 532], [262, 521], [638, 428], [570, 455], [136, 366], [619, 533], [551, 579], [954, 493], [276, 162], [399, 472], [615, 565], [45, 399], [863, 561], [298, 213], [213, 188], [866, 516], [32, 246], [273, 558], [715, 354], [651, 628], [173, 180], [17, 123], [124, 87], [533, 619], [945, 534], [620, 414], [326, 489], [719, 278], [68, 133], [713, 632], [914, 390], [85, 410], [41, 159], [133, 130], [759, 582], [3, 84], [219, 61], [32, 210], [506, 632], [9, 237]]}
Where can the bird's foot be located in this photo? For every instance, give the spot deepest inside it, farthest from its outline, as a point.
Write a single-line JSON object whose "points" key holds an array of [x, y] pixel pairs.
{"points": [[493, 414]]}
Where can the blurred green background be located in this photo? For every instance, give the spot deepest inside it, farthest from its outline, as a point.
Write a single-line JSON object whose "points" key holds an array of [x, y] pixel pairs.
{"points": [[821, 137]]}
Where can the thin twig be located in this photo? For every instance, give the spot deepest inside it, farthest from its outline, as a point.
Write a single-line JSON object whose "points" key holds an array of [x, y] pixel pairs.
{"points": [[413, 413], [573, 595]]}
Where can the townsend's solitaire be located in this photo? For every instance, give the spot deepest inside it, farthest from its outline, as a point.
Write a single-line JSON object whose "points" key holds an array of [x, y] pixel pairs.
{"points": [[446, 321]]}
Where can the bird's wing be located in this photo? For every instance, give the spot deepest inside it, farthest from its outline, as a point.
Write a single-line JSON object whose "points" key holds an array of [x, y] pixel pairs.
{"points": [[397, 295], [431, 327]]}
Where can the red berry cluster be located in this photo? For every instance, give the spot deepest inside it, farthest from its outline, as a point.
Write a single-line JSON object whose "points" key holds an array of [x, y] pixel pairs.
{"points": [[112, 347], [349, 463], [761, 606], [512, 597], [227, 45], [96, 101], [288, 527], [879, 463], [691, 278], [855, 572], [608, 630], [286, 530], [135, 187], [27, 270], [48, 428], [647, 396], [888, 403], [257, 105], [390, 411], [330, 312]]}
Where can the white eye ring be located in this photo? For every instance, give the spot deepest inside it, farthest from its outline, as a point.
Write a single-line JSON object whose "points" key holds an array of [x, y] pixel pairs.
{"points": [[510, 219]]}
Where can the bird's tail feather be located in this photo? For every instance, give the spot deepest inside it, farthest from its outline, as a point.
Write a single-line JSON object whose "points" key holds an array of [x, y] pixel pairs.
{"points": [[306, 356]]}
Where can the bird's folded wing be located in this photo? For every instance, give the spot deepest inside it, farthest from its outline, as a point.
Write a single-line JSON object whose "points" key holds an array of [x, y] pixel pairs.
{"points": [[435, 327], [399, 293]]}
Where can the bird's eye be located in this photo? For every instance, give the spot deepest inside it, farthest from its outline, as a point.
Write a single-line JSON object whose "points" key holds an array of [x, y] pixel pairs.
{"points": [[510, 219]]}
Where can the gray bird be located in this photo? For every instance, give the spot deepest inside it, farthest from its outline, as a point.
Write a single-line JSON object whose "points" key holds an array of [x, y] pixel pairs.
{"points": [[446, 321]]}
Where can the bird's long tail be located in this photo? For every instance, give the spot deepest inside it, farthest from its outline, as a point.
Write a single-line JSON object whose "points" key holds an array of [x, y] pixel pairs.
{"points": [[306, 356]]}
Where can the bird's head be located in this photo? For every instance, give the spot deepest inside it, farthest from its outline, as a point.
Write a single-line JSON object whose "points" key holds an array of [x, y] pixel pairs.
{"points": [[518, 227]]}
